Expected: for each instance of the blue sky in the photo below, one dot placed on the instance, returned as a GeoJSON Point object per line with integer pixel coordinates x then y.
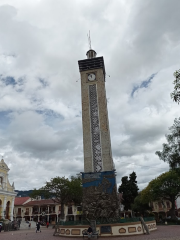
{"type": "Point", "coordinates": [144, 84]}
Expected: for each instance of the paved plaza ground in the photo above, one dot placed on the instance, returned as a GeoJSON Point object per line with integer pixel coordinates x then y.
{"type": "Point", "coordinates": [163, 233]}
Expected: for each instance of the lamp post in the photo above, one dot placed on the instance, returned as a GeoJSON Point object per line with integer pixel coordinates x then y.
{"type": "Point", "coordinates": [4, 213]}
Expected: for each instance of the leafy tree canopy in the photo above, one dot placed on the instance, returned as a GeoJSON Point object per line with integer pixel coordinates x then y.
{"type": "Point", "coordinates": [166, 186]}
{"type": "Point", "coordinates": [171, 150]}
{"type": "Point", "coordinates": [175, 95]}
{"type": "Point", "coordinates": [139, 206]}
{"type": "Point", "coordinates": [129, 189]}
{"type": "Point", "coordinates": [61, 190]}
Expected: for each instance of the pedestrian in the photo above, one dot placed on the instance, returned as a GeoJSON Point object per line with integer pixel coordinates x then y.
{"type": "Point", "coordinates": [29, 225]}
{"type": "Point", "coordinates": [19, 222]}
{"type": "Point", "coordinates": [38, 228]}
{"type": "Point", "coordinates": [0, 227]}
{"type": "Point", "coordinates": [47, 224]}
{"type": "Point", "coordinates": [89, 232]}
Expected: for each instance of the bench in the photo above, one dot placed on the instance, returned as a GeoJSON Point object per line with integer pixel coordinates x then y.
{"type": "Point", "coordinates": [95, 234]}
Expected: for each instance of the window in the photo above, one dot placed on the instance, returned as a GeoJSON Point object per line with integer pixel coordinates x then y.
{"type": "Point", "coordinates": [27, 211]}
{"type": "Point", "coordinates": [79, 208]}
{"type": "Point", "coordinates": [70, 210]}
{"type": "Point", "coordinates": [19, 211]}
{"type": "Point", "coordinates": [159, 204]}
{"type": "Point", "coordinates": [168, 204]}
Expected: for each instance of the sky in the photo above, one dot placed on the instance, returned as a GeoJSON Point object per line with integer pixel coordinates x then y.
{"type": "Point", "coordinates": [41, 42]}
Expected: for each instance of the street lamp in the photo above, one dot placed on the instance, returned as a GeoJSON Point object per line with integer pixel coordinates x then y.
{"type": "Point", "coordinates": [4, 213]}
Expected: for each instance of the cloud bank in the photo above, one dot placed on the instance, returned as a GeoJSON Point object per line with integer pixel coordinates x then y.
{"type": "Point", "coordinates": [40, 97]}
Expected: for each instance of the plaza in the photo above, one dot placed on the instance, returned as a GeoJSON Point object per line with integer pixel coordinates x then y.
{"type": "Point", "coordinates": [162, 233]}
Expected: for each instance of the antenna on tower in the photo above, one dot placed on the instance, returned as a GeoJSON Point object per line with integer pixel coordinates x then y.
{"type": "Point", "coordinates": [89, 40]}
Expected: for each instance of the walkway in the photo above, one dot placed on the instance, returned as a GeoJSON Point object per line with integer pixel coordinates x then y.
{"type": "Point", "coordinates": [163, 233]}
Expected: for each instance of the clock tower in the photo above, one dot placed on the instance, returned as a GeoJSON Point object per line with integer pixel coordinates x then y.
{"type": "Point", "coordinates": [99, 178]}
{"type": "Point", "coordinates": [96, 133]}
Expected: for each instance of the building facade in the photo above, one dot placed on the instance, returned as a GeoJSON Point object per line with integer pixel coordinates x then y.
{"type": "Point", "coordinates": [7, 193]}
{"type": "Point", "coordinates": [44, 210]}
{"type": "Point", "coordinates": [161, 208]}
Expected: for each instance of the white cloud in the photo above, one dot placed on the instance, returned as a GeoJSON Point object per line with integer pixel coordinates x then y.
{"type": "Point", "coordinates": [40, 110]}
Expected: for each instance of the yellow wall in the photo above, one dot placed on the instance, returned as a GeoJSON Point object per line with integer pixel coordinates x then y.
{"type": "Point", "coordinates": [7, 193]}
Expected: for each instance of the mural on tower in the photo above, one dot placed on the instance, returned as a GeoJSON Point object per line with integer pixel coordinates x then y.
{"type": "Point", "coordinates": [96, 144]}
{"type": "Point", "coordinates": [100, 196]}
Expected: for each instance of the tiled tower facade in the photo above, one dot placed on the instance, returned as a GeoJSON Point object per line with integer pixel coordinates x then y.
{"type": "Point", "coordinates": [96, 133]}
{"type": "Point", "coordinates": [99, 180]}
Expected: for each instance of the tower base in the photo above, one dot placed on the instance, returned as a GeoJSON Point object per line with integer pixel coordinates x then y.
{"type": "Point", "coordinates": [100, 196]}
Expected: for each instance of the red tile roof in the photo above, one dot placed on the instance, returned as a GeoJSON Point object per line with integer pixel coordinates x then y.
{"type": "Point", "coordinates": [41, 202]}
{"type": "Point", "coordinates": [21, 200]}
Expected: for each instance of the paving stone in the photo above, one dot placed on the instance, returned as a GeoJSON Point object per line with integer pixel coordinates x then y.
{"type": "Point", "coordinates": [162, 233]}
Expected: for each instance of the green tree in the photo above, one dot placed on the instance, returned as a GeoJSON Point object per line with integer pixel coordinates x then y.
{"type": "Point", "coordinates": [171, 149]}
{"type": "Point", "coordinates": [175, 95]}
{"type": "Point", "coordinates": [61, 190]}
{"type": "Point", "coordinates": [139, 206]}
{"type": "Point", "coordinates": [129, 190]}
{"type": "Point", "coordinates": [164, 187]}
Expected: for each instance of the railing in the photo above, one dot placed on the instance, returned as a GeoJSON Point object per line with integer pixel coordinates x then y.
{"type": "Point", "coordinates": [83, 222]}
{"type": "Point", "coordinates": [10, 226]}
{"type": "Point", "coordinates": [147, 219]}
{"type": "Point", "coordinates": [110, 221]}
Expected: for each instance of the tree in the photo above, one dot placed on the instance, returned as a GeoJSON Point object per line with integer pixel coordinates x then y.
{"type": "Point", "coordinates": [171, 150]}
{"type": "Point", "coordinates": [175, 95]}
{"type": "Point", "coordinates": [129, 189]}
{"type": "Point", "coordinates": [139, 206]}
{"type": "Point", "coordinates": [164, 187]}
{"type": "Point", "coordinates": [61, 190]}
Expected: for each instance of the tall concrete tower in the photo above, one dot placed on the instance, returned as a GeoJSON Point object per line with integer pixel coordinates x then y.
{"type": "Point", "coordinates": [96, 133]}
{"type": "Point", "coordinates": [99, 178]}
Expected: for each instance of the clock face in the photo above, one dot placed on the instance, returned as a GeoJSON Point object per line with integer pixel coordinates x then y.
{"type": "Point", "coordinates": [91, 77]}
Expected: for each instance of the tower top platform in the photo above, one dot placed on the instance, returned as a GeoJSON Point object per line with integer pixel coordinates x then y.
{"type": "Point", "coordinates": [91, 64]}
{"type": "Point", "coordinates": [91, 54]}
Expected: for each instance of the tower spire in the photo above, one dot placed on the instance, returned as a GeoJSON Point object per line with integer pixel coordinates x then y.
{"type": "Point", "coordinates": [89, 40]}
{"type": "Point", "coordinates": [90, 53]}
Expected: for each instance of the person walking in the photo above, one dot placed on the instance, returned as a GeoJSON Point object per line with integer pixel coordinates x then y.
{"type": "Point", "coordinates": [38, 227]}
{"type": "Point", "coordinates": [47, 224]}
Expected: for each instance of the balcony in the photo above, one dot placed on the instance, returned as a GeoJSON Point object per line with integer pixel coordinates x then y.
{"type": "Point", "coordinates": [35, 212]}
{"type": "Point", "coordinates": [52, 212]}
